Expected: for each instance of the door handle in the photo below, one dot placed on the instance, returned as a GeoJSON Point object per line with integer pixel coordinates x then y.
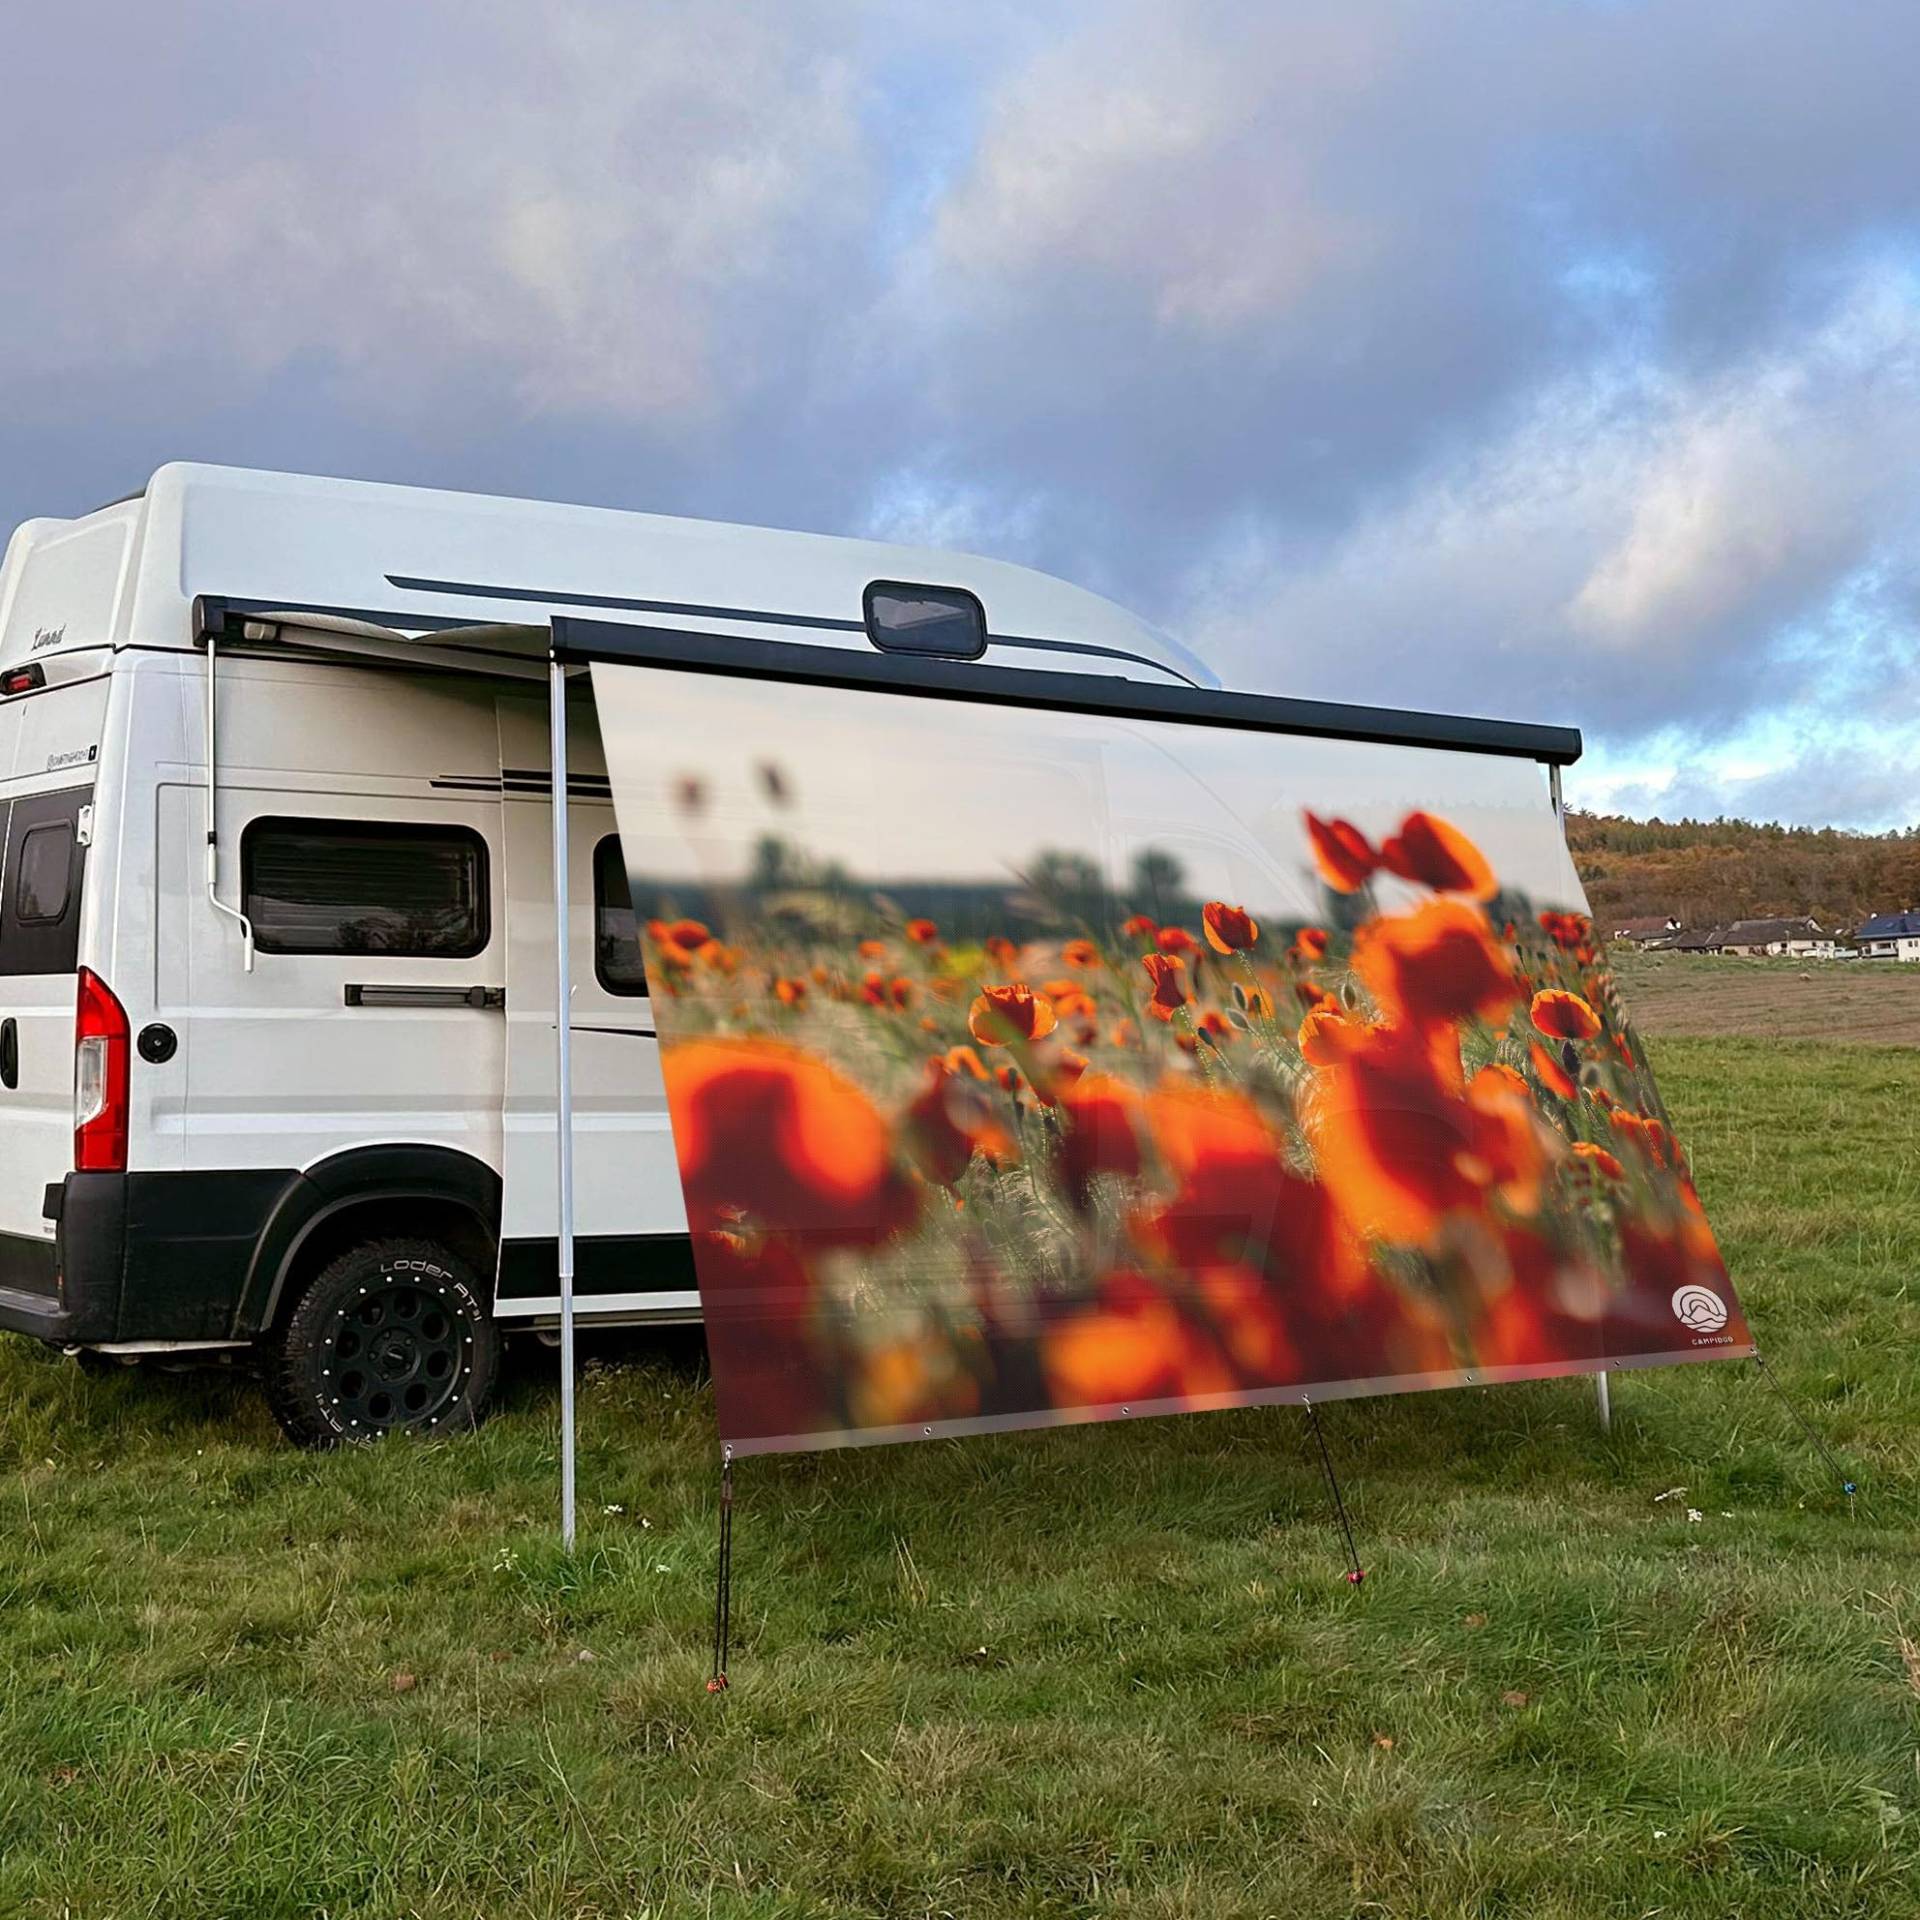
{"type": "Point", "coordinates": [9, 1053]}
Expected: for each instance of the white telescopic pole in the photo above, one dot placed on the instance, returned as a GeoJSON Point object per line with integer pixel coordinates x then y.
{"type": "Point", "coordinates": [563, 1061]}
{"type": "Point", "coordinates": [1602, 1386]}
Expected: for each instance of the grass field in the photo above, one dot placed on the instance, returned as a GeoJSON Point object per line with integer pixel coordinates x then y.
{"type": "Point", "coordinates": [1105, 1670]}
{"type": "Point", "coordinates": [1837, 1002]}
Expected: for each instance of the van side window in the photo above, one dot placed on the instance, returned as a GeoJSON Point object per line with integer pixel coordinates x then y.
{"type": "Point", "coordinates": [617, 964]}
{"type": "Point", "coordinates": [45, 882]}
{"type": "Point", "coordinates": [365, 886]}
{"type": "Point", "coordinates": [44, 865]}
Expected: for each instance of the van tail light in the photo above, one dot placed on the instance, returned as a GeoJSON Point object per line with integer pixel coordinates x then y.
{"type": "Point", "coordinates": [100, 1058]}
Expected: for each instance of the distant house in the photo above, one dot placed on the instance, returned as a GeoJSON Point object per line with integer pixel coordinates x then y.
{"type": "Point", "coordinates": [1693, 940]}
{"type": "Point", "coordinates": [1802, 939]}
{"type": "Point", "coordinates": [1890, 936]}
{"type": "Point", "coordinates": [1645, 932]}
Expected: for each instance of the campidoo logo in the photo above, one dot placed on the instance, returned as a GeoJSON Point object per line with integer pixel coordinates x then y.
{"type": "Point", "coordinates": [1699, 1308]}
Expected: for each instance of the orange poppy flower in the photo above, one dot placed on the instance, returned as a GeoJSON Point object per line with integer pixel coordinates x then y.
{"type": "Point", "coordinates": [1002, 1015]}
{"type": "Point", "coordinates": [769, 1133]}
{"type": "Point", "coordinates": [964, 1060]}
{"type": "Point", "coordinates": [1327, 1035]}
{"type": "Point", "coordinates": [1080, 953]}
{"type": "Point", "coordinates": [719, 956]}
{"type": "Point", "coordinates": [1552, 1071]}
{"type": "Point", "coordinates": [790, 993]}
{"type": "Point", "coordinates": [1400, 1147]}
{"type": "Point", "coordinates": [1009, 1079]}
{"type": "Point", "coordinates": [1341, 852]}
{"type": "Point", "coordinates": [1593, 1155]}
{"type": "Point", "coordinates": [1134, 1345]}
{"type": "Point", "coordinates": [1216, 1026]}
{"type": "Point", "coordinates": [873, 949]}
{"type": "Point", "coordinates": [1176, 940]}
{"type": "Point", "coordinates": [1255, 1000]}
{"type": "Point", "coordinates": [1140, 926]}
{"type": "Point", "coordinates": [1168, 972]}
{"type": "Point", "coordinates": [922, 932]}
{"type": "Point", "coordinates": [1434, 853]}
{"type": "Point", "coordinates": [1228, 929]}
{"type": "Point", "coordinates": [1123, 1033]}
{"type": "Point", "coordinates": [1309, 946]}
{"type": "Point", "coordinates": [1564, 1015]}
{"type": "Point", "coordinates": [1312, 997]}
{"type": "Point", "coordinates": [1068, 1067]}
{"type": "Point", "coordinates": [1434, 965]}
{"type": "Point", "coordinates": [1069, 997]}
{"type": "Point", "coordinates": [1001, 951]}
{"type": "Point", "coordinates": [1496, 1074]}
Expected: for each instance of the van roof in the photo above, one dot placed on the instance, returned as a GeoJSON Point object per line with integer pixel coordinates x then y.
{"type": "Point", "coordinates": [415, 557]}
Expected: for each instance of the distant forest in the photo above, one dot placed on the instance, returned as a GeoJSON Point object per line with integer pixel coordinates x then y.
{"type": "Point", "coordinates": [1707, 872]}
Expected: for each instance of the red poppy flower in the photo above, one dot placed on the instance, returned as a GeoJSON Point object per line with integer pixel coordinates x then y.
{"type": "Point", "coordinates": [1102, 1119]}
{"type": "Point", "coordinates": [1080, 953]}
{"type": "Point", "coordinates": [1433, 853]}
{"type": "Point", "coordinates": [771, 1134]}
{"type": "Point", "coordinates": [1176, 940]}
{"type": "Point", "coordinates": [1140, 926]}
{"type": "Point", "coordinates": [1228, 929]}
{"type": "Point", "coordinates": [1436, 964]}
{"type": "Point", "coordinates": [948, 1122]}
{"type": "Point", "coordinates": [964, 1060]}
{"type": "Point", "coordinates": [1168, 972]}
{"type": "Point", "coordinates": [1069, 998]}
{"type": "Point", "coordinates": [1326, 1035]}
{"type": "Point", "coordinates": [1401, 1144]}
{"type": "Point", "coordinates": [1001, 951]}
{"type": "Point", "coordinates": [1341, 852]}
{"type": "Point", "coordinates": [691, 934]}
{"type": "Point", "coordinates": [873, 949]}
{"type": "Point", "coordinates": [1002, 1015]}
{"type": "Point", "coordinates": [922, 932]}
{"type": "Point", "coordinates": [758, 1297]}
{"type": "Point", "coordinates": [1564, 1015]}
{"type": "Point", "coordinates": [790, 993]}
{"type": "Point", "coordinates": [1309, 946]}
{"type": "Point", "coordinates": [1569, 930]}
{"type": "Point", "coordinates": [1552, 1071]}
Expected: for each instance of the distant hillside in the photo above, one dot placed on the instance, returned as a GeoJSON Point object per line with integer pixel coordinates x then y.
{"type": "Point", "coordinates": [1706, 872]}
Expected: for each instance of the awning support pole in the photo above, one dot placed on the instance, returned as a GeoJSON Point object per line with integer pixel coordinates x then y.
{"type": "Point", "coordinates": [563, 1062]}
{"type": "Point", "coordinates": [1602, 1386]}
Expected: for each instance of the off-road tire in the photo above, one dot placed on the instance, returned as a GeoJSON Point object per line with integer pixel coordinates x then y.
{"type": "Point", "coordinates": [393, 1336]}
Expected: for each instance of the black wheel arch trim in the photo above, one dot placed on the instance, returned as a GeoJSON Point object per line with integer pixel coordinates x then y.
{"type": "Point", "coordinates": [358, 1177]}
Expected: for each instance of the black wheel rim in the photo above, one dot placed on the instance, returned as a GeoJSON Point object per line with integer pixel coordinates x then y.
{"type": "Point", "coordinates": [400, 1355]}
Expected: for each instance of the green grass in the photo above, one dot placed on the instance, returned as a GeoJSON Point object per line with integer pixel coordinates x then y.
{"type": "Point", "coordinates": [1102, 1670]}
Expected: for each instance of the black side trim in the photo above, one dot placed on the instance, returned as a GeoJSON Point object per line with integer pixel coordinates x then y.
{"type": "Point", "coordinates": [29, 1265]}
{"type": "Point", "coordinates": [1059, 692]}
{"type": "Point", "coordinates": [602, 1264]}
{"type": "Point", "coordinates": [407, 583]}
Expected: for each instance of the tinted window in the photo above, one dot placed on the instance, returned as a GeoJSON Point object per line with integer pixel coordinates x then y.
{"type": "Point", "coordinates": [947, 621]}
{"type": "Point", "coordinates": [43, 882]}
{"type": "Point", "coordinates": [43, 867]}
{"type": "Point", "coordinates": [358, 886]}
{"type": "Point", "coordinates": [617, 964]}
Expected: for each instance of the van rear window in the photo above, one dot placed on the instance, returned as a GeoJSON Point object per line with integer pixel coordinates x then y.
{"type": "Point", "coordinates": [365, 886]}
{"type": "Point", "coordinates": [41, 870]}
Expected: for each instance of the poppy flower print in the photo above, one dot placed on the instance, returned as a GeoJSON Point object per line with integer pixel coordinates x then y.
{"type": "Point", "coordinates": [1314, 1098]}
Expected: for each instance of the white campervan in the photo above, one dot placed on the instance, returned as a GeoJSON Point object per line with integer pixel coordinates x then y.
{"type": "Point", "coordinates": [276, 925]}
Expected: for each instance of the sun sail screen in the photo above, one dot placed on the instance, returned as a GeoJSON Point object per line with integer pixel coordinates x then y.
{"type": "Point", "coordinates": [1033, 1064]}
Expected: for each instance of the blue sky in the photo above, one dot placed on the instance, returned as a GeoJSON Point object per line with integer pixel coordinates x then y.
{"type": "Point", "coordinates": [1559, 360]}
